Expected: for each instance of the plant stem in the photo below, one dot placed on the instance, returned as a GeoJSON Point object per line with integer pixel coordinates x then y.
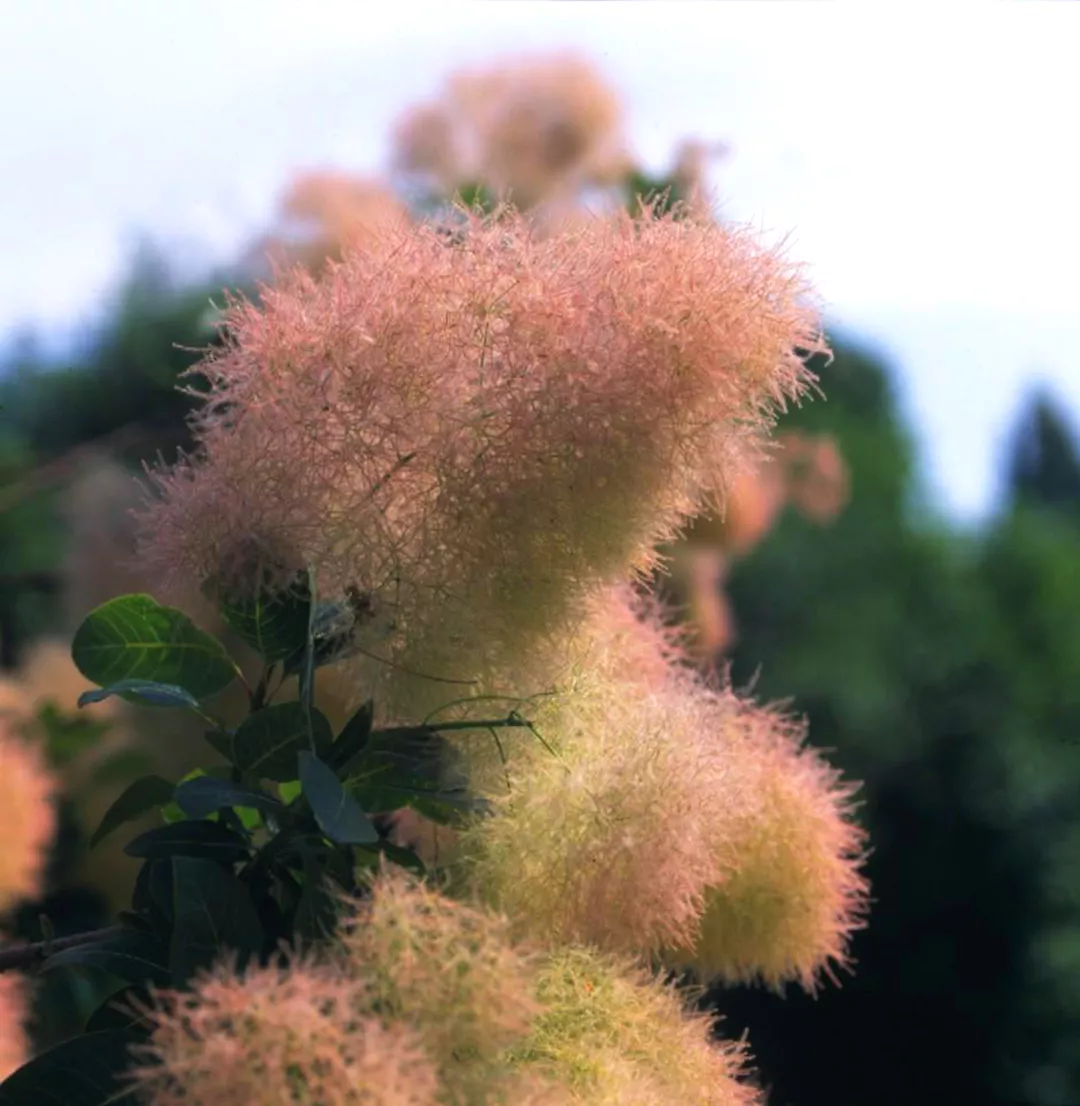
{"type": "Point", "coordinates": [22, 956]}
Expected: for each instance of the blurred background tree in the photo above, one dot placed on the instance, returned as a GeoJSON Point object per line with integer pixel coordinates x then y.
{"type": "Point", "coordinates": [941, 665]}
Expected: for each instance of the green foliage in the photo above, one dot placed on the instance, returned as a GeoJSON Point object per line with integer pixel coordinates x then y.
{"type": "Point", "coordinates": [266, 744]}
{"type": "Point", "coordinates": [147, 692]}
{"type": "Point", "coordinates": [941, 667]}
{"type": "Point", "coordinates": [85, 1071]}
{"type": "Point", "coordinates": [132, 957]}
{"type": "Point", "coordinates": [337, 812]}
{"type": "Point", "coordinates": [213, 912]}
{"type": "Point", "coordinates": [234, 870]}
{"type": "Point", "coordinates": [205, 795]}
{"type": "Point", "coordinates": [134, 801]}
{"type": "Point", "coordinates": [273, 622]}
{"type": "Point", "coordinates": [135, 638]}
{"type": "Point", "coordinates": [1044, 468]}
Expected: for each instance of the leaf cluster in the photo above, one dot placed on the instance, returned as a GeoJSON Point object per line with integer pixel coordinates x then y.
{"type": "Point", "coordinates": [252, 856]}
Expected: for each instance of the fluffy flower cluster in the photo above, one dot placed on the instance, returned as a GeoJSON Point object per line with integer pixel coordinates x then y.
{"type": "Point", "coordinates": [532, 127]}
{"type": "Point", "coordinates": [277, 1036]}
{"type": "Point", "coordinates": [476, 434]}
{"type": "Point", "coordinates": [27, 816]}
{"type": "Point", "coordinates": [429, 1000]}
{"type": "Point", "coordinates": [614, 1034]}
{"type": "Point", "coordinates": [449, 971]}
{"type": "Point", "coordinates": [671, 816]}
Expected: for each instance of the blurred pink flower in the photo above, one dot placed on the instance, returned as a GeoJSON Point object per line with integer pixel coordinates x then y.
{"type": "Point", "coordinates": [27, 816]}
{"type": "Point", "coordinates": [13, 1042]}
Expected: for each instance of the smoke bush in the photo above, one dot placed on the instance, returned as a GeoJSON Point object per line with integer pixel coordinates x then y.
{"type": "Point", "coordinates": [671, 815]}
{"type": "Point", "coordinates": [279, 1036]}
{"type": "Point", "coordinates": [597, 386]}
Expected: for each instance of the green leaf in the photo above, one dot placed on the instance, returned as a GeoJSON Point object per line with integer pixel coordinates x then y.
{"type": "Point", "coordinates": [221, 741]}
{"type": "Point", "coordinates": [266, 743]}
{"type": "Point", "coordinates": [119, 1011]}
{"type": "Point", "coordinates": [136, 800]}
{"type": "Point", "coordinates": [152, 894]}
{"type": "Point", "coordinates": [316, 912]}
{"type": "Point", "coordinates": [136, 638]}
{"type": "Point", "coordinates": [339, 815]}
{"type": "Point", "coordinates": [412, 766]}
{"type": "Point", "coordinates": [214, 915]}
{"type": "Point", "coordinates": [273, 623]}
{"type": "Point", "coordinates": [353, 736]}
{"type": "Point", "coordinates": [88, 1070]}
{"type": "Point", "coordinates": [209, 840]}
{"type": "Point", "coordinates": [132, 957]}
{"type": "Point", "coordinates": [289, 790]}
{"type": "Point", "coordinates": [144, 692]}
{"type": "Point", "coordinates": [307, 673]}
{"type": "Point", "coordinates": [203, 796]}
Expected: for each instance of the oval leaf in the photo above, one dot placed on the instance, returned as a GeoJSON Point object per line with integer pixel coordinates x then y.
{"type": "Point", "coordinates": [209, 840]}
{"type": "Point", "coordinates": [266, 743]}
{"type": "Point", "coordinates": [120, 1011]}
{"type": "Point", "coordinates": [221, 741]}
{"type": "Point", "coordinates": [144, 692]}
{"type": "Point", "coordinates": [136, 800]}
{"type": "Point", "coordinates": [214, 915]}
{"type": "Point", "coordinates": [133, 957]}
{"type": "Point", "coordinates": [274, 624]}
{"type": "Point", "coordinates": [337, 812]}
{"type": "Point", "coordinates": [316, 914]}
{"type": "Point", "coordinates": [152, 895]}
{"type": "Point", "coordinates": [413, 766]}
{"type": "Point", "coordinates": [88, 1070]}
{"type": "Point", "coordinates": [135, 638]}
{"type": "Point", "coordinates": [203, 796]}
{"type": "Point", "coordinates": [353, 736]}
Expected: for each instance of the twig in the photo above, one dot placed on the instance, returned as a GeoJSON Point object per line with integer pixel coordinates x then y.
{"type": "Point", "coordinates": [22, 956]}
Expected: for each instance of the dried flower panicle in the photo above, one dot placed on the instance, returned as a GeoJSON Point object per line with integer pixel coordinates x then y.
{"type": "Point", "coordinates": [278, 1036]}
{"type": "Point", "coordinates": [427, 1000]}
{"type": "Point", "coordinates": [794, 892]}
{"type": "Point", "coordinates": [614, 1035]}
{"type": "Point", "coordinates": [27, 816]}
{"type": "Point", "coordinates": [672, 815]}
{"type": "Point", "coordinates": [448, 971]}
{"type": "Point", "coordinates": [612, 841]}
{"type": "Point", "coordinates": [476, 435]}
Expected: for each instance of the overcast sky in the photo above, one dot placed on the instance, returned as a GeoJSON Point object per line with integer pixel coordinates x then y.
{"type": "Point", "coordinates": [923, 159]}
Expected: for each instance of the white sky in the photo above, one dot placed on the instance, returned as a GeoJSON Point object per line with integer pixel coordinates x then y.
{"type": "Point", "coordinates": [924, 158]}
